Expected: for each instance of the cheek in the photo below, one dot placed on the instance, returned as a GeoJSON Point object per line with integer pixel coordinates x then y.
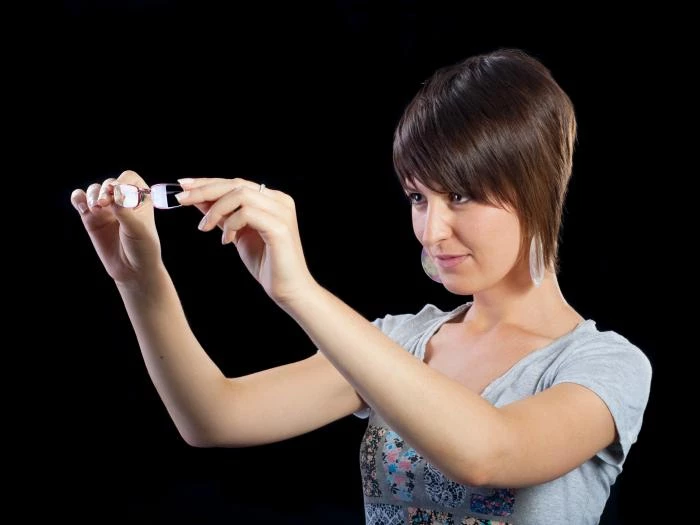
{"type": "Point", "coordinates": [499, 236]}
{"type": "Point", "coordinates": [418, 225]}
{"type": "Point", "coordinates": [508, 247]}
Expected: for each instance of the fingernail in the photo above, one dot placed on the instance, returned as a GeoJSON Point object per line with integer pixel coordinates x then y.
{"type": "Point", "coordinates": [82, 207]}
{"type": "Point", "coordinates": [182, 195]}
{"type": "Point", "coordinates": [186, 180]}
{"type": "Point", "coordinates": [223, 238]}
{"type": "Point", "coordinates": [202, 223]}
{"type": "Point", "coordinates": [91, 202]}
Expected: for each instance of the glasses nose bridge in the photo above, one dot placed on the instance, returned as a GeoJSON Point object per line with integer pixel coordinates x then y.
{"type": "Point", "coordinates": [142, 192]}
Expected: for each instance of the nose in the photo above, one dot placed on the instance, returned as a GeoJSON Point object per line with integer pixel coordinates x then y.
{"type": "Point", "coordinates": [435, 224]}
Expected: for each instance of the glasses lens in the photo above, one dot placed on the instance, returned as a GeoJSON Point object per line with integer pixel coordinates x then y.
{"type": "Point", "coordinates": [126, 195]}
{"type": "Point", "coordinates": [163, 195]}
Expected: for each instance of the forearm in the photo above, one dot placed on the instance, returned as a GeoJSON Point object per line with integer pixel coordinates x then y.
{"type": "Point", "coordinates": [433, 413]}
{"type": "Point", "coordinates": [187, 380]}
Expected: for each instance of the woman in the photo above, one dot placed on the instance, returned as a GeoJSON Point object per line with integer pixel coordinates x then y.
{"type": "Point", "coordinates": [511, 408]}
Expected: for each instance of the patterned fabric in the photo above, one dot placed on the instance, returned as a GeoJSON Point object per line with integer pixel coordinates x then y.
{"type": "Point", "coordinates": [442, 490]}
{"type": "Point", "coordinates": [401, 488]}
{"type": "Point", "coordinates": [368, 464]}
{"type": "Point", "coordinates": [499, 502]}
{"type": "Point", "coordinates": [401, 463]}
{"type": "Point", "coordinates": [383, 514]}
{"type": "Point", "coordinates": [429, 517]}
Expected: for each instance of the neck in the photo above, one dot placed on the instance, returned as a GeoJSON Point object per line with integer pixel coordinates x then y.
{"type": "Point", "coordinates": [538, 310]}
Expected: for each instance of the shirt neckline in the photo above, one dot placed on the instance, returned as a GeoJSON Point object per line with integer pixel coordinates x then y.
{"type": "Point", "coordinates": [518, 364]}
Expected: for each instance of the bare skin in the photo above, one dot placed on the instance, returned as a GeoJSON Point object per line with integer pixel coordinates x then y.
{"type": "Point", "coordinates": [527, 442]}
{"type": "Point", "coordinates": [476, 359]}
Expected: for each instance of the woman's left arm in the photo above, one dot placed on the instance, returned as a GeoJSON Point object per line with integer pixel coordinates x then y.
{"type": "Point", "coordinates": [524, 443]}
{"type": "Point", "coordinates": [468, 439]}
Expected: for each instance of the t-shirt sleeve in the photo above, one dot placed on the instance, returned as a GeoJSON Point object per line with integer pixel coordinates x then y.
{"type": "Point", "coordinates": [620, 374]}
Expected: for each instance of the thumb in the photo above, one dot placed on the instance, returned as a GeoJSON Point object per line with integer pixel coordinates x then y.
{"type": "Point", "coordinates": [136, 221]}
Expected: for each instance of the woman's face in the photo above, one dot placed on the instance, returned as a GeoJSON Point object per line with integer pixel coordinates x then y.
{"type": "Point", "coordinates": [473, 245]}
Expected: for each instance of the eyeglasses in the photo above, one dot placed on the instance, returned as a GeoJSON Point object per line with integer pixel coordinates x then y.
{"type": "Point", "coordinates": [162, 195]}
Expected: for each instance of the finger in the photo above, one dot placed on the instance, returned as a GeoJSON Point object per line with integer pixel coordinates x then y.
{"type": "Point", "coordinates": [105, 196]}
{"type": "Point", "coordinates": [198, 182]}
{"type": "Point", "coordinates": [92, 214]}
{"type": "Point", "coordinates": [131, 177]}
{"type": "Point", "coordinates": [97, 197]}
{"type": "Point", "coordinates": [102, 195]}
{"type": "Point", "coordinates": [93, 192]}
{"type": "Point", "coordinates": [233, 202]}
{"type": "Point", "coordinates": [212, 191]}
{"type": "Point", "coordinates": [263, 222]}
{"type": "Point", "coordinates": [136, 221]}
{"type": "Point", "coordinates": [78, 199]}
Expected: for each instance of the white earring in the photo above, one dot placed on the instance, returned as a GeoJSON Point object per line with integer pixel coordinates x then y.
{"type": "Point", "coordinates": [536, 261]}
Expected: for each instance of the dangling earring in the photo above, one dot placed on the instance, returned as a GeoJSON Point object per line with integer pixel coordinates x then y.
{"type": "Point", "coordinates": [536, 261]}
{"type": "Point", "coordinates": [429, 266]}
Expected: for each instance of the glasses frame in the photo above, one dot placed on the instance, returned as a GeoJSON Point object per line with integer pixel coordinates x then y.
{"type": "Point", "coordinates": [144, 192]}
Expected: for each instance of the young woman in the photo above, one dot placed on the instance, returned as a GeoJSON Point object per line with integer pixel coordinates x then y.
{"type": "Point", "coordinates": [511, 408]}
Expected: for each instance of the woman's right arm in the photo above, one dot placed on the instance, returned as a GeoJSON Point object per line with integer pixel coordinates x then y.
{"type": "Point", "coordinates": [207, 408]}
{"type": "Point", "coordinates": [210, 409]}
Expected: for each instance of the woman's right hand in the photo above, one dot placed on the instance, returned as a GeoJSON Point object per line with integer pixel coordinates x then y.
{"type": "Point", "coordinates": [125, 239]}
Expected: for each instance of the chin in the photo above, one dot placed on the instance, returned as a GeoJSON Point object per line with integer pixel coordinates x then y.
{"type": "Point", "coordinates": [459, 288]}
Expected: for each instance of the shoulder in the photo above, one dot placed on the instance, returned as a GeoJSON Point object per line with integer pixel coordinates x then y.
{"type": "Point", "coordinates": [618, 371]}
{"type": "Point", "coordinates": [587, 342]}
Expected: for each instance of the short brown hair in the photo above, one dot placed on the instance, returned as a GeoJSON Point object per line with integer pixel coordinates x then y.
{"type": "Point", "coordinates": [496, 128]}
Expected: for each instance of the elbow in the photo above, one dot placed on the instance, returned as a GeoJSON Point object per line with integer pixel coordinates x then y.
{"type": "Point", "coordinates": [198, 438]}
{"type": "Point", "coordinates": [475, 476]}
{"type": "Point", "coordinates": [197, 441]}
{"type": "Point", "coordinates": [484, 470]}
{"type": "Point", "coordinates": [484, 464]}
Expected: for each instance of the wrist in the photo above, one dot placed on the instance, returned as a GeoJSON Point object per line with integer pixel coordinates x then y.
{"type": "Point", "coordinates": [144, 281]}
{"type": "Point", "coordinates": [301, 298]}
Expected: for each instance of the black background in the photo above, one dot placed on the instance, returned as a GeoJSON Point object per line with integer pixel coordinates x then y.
{"type": "Point", "coordinates": [304, 98]}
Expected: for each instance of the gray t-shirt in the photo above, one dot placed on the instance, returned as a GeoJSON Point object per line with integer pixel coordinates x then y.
{"type": "Point", "coordinates": [401, 488]}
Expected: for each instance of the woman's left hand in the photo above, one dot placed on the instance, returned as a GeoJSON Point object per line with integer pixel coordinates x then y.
{"type": "Point", "coordinates": [262, 224]}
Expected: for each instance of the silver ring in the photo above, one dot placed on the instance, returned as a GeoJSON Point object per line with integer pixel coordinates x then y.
{"type": "Point", "coordinates": [262, 187]}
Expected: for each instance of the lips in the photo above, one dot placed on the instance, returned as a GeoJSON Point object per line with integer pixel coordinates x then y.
{"type": "Point", "coordinates": [449, 261]}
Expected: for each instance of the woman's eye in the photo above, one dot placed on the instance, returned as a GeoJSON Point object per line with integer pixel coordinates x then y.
{"type": "Point", "coordinates": [414, 198]}
{"type": "Point", "coordinates": [457, 198]}
{"type": "Point", "coordinates": [417, 198]}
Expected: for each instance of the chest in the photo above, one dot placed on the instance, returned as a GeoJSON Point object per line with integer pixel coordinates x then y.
{"type": "Point", "coordinates": [476, 362]}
